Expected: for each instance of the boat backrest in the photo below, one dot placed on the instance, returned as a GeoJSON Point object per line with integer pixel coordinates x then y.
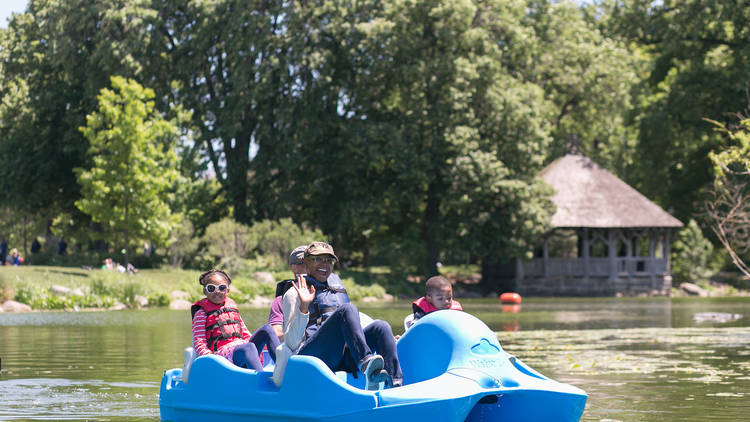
{"type": "Point", "coordinates": [190, 356]}
{"type": "Point", "coordinates": [447, 339]}
{"type": "Point", "coordinates": [408, 321]}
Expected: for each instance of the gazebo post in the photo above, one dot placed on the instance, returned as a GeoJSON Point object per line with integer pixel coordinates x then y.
{"type": "Point", "coordinates": [667, 248]}
{"type": "Point", "coordinates": [612, 253]}
{"type": "Point", "coordinates": [586, 247]}
{"type": "Point", "coordinates": [652, 254]}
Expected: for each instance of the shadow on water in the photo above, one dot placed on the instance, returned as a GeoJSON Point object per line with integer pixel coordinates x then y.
{"type": "Point", "coordinates": [638, 358]}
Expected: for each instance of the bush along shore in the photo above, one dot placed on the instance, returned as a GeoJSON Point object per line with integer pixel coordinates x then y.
{"type": "Point", "coordinates": [28, 288]}
{"type": "Point", "coordinates": [59, 288]}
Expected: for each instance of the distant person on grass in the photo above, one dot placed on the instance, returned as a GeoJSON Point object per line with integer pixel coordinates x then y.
{"type": "Point", "coordinates": [3, 251]}
{"type": "Point", "coordinates": [218, 327]}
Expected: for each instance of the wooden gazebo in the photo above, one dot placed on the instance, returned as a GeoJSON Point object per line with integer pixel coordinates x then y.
{"type": "Point", "coordinates": [608, 239]}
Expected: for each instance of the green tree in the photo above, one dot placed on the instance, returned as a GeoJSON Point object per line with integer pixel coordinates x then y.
{"type": "Point", "coordinates": [426, 138]}
{"type": "Point", "coordinates": [587, 76]}
{"type": "Point", "coordinates": [228, 61]}
{"type": "Point", "coordinates": [134, 165]}
{"type": "Point", "coordinates": [691, 255]}
{"type": "Point", "coordinates": [699, 66]}
{"type": "Point", "coordinates": [54, 59]}
{"type": "Point", "coordinates": [729, 208]}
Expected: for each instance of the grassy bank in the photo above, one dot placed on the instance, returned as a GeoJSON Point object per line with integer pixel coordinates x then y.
{"type": "Point", "coordinates": [99, 288]}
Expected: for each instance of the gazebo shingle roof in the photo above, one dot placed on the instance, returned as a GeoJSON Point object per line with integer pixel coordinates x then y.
{"type": "Point", "coordinates": [590, 196]}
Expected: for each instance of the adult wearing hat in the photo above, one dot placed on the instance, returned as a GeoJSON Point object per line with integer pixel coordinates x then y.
{"type": "Point", "coordinates": [320, 321]}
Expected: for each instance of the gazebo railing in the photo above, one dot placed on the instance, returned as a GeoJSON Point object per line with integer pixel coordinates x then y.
{"type": "Point", "coordinates": [597, 267]}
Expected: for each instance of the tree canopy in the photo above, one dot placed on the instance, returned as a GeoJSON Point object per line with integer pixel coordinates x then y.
{"type": "Point", "coordinates": [133, 165]}
{"type": "Point", "coordinates": [408, 132]}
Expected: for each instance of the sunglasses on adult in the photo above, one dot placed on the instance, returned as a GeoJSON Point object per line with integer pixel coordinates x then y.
{"type": "Point", "coordinates": [212, 288]}
{"type": "Point", "coordinates": [322, 259]}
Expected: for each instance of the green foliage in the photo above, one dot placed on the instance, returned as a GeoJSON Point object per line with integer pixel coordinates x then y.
{"type": "Point", "coordinates": [279, 238]}
{"type": "Point", "coordinates": [183, 244]}
{"type": "Point", "coordinates": [134, 165]}
{"type": "Point", "coordinates": [691, 255]}
{"type": "Point", "coordinates": [244, 289]}
{"type": "Point", "coordinates": [685, 43]}
{"type": "Point", "coordinates": [120, 287]}
{"type": "Point", "coordinates": [55, 58]}
{"type": "Point", "coordinates": [409, 132]}
{"type": "Point", "coordinates": [226, 242]}
{"type": "Point", "coordinates": [241, 249]}
{"type": "Point", "coordinates": [158, 299]}
{"type": "Point", "coordinates": [735, 157]}
{"type": "Point", "coordinates": [41, 298]}
{"type": "Point", "coordinates": [358, 292]}
{"type": "Point", "coordinates": [587, 76]}
{"type": "Point", "coordinates": [5, 289]}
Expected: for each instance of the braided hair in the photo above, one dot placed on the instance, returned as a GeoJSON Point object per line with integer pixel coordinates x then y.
{"type": "Point", "coordinates": [203, 277]}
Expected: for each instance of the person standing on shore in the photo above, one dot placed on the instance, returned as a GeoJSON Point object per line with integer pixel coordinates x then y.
{"type": "Point", "coordinates": [3, 251]}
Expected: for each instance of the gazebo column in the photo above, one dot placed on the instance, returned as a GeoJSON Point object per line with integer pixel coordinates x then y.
{"type": "Point", "coordinates": [612, 253]}
{"type": "Point", "coordinates": [667, 248]}
{"type": "Point", "coordinates": [586, 247]}
{"type": "Point", "coordinates": [652, 254]}
{"type": "Point", "coordinates": [629, 261]}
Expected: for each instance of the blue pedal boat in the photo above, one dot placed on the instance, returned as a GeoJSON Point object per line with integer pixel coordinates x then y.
{"type": "Point", "coordinates": [454, 370]}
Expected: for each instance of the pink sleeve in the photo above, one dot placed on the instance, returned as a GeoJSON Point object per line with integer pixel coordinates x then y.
{"type": "Point", "coordinates": [199, 333]}
{"type": "Point", "coordinates": [276, 316]}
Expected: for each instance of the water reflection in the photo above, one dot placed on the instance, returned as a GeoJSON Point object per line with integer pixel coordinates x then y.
{"type": "Point", "coordinates": [639, 359]}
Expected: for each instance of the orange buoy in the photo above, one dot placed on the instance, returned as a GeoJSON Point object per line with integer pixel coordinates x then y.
{"type": "Point", "coordinates": [512, 298]}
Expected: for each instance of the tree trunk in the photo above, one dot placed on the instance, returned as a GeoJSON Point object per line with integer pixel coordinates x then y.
{"type": "Point", "coordinates": [127, 233]}
{"type": "Point", "coordinates": [429, 230]}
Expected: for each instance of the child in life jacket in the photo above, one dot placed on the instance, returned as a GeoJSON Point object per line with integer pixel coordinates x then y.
{"type": "Point", "coordinates": [438, 296]}
{"type": "Point", "coordinates": [218, 327]}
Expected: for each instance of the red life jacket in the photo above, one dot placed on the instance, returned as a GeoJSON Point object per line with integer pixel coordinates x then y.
{"type": "Point", "coordinates": [223, 322]}
{"type": "Point", "coordinates": [422, 307]}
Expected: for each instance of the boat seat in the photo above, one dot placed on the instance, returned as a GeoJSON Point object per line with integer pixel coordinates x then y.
{"type": "Point", "coordinates": [408, 321]}
{"type": "Point", "coordinates": [190, 356]}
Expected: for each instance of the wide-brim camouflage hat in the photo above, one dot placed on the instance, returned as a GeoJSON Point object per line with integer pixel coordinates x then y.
{"type": "Point", "coordinates": [320, 248]}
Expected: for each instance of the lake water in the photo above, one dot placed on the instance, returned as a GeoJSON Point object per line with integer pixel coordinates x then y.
{"type": "Point", "coordinates": [639, 359]}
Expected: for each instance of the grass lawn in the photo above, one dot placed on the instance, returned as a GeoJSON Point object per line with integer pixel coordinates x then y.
{"type": "Point", "coordinates": [97, 288]}
{"type": "Point", "coordinates": [47, 276]}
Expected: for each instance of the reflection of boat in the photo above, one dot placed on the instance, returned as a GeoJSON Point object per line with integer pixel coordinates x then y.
{"type": "Point", "coordinates": [454, 369]}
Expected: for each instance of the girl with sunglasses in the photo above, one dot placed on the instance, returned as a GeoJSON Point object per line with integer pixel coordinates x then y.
{"type": "Point", "coordinates": [218, 327]}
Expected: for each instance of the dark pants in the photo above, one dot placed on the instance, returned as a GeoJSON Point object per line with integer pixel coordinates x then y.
{"type": "Point", "coordinates": [341, 329]}
{"type": "Point", "coordinates": [246, 355]}
{"type": "Point", "coordinates": [379, 337]}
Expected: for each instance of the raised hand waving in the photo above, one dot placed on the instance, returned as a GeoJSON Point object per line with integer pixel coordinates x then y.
{"type": "Point", "coordinates": [306, 295]}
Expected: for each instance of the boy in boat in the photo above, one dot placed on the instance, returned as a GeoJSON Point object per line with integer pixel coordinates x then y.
{"type": "Point", "coordinates": [218, 327]}
{"type": "Point", "coordinates": [438, 296]}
